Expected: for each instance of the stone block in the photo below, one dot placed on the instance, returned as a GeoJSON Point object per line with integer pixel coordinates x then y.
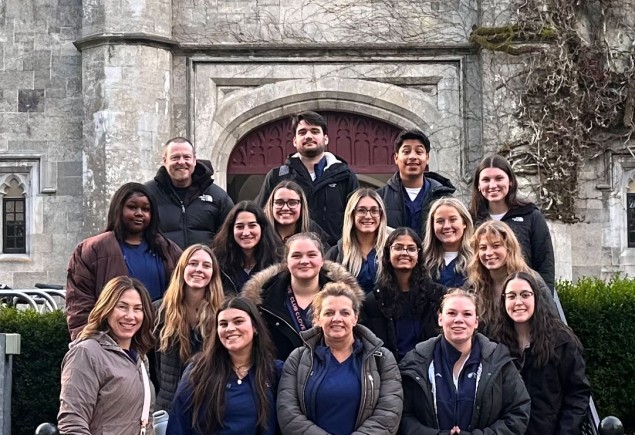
{"type": "Point", "coordinates": [69, 169]}
{"type": "Point", "coordinates": [16, 79]}
{"type": "Point", "coordinates": [55, 93]}
{"type": "Point", "coordinates": [13, 124]}
{"type": "Point", "coordinates": [71, 186]}
{"type": "Point", "coordinates": [68, 106]}
{"type": "Point", "coordinates": [74, 87]}
{"type": "Point", "coordinates": [66, 66]}
{"type": "Point", "coordinates": [42, 243]}
{"type": "Point", "coordinates": [28, 146]}
{"type": "Point", "coordinates": [27, 280]}
{"type": "Point", "coordinates": [31, 100]}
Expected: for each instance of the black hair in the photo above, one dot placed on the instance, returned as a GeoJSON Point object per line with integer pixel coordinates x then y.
{"type": "Point", "coordinates": [412, 134]}
{"type": "Point", "coordinates": [311, 118]}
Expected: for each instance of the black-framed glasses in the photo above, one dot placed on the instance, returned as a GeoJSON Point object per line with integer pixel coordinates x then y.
{"type": "Point", "coordinates": [410, 250]}
{"type": "Point", "coordinates": [291, 203]}
{"type": "Point", "coordinates": [363, 211]}
{"type": "Point", "coordinates": [523, 295]}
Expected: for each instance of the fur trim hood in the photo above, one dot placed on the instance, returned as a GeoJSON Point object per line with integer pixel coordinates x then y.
{"type": "Point", "coordinates": [332, 271]}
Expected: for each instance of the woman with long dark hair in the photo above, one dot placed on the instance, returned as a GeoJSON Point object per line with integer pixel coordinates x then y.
{"type": "Point", "coordinates": [185, 317]}
{"type": "Point", "coordinates": [103, 388]}
{"type": "Point", "coordinates": [495, 197]}
{"type": "Point", "coordinates": [131, 246]}
{"type": "Point", "coordinates": [402, 309]}
{"type": "Point", "coordinates": [230, 387]}
{"type": "Point", "coordinates": [363, 237]}
{"type": "Point", "coordinates": [548, 355]}
{"type": "Point", "coordinates": [245, 244]}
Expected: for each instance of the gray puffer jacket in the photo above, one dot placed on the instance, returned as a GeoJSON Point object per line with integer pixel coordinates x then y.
{"type": "Point", "coordinates": [382, 395]}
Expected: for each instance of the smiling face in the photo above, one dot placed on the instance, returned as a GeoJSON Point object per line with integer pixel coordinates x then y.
{"type": "Point", "coordinates": [235, 331]}
{"type": "Point", "coordinates": [126, 318]}
{"type": "Point", "coordinates": [287, 206]}
{"type": "Point", "coordinates": [411, 159]}
{"type": "Point", "coordinates": [310, 140]}
{"type": "Point", "coordinates": [179, 160]}
{"type": "Point", "coordinates": [492, 252]}
{"type": "Point", "coordinates": [304, 259]}
{"type": "Point", "coordinates": [520, 301]}
{"type": "Point", "coordinates": [136, 214]}
{"type": "Point", "coordinates": [367, 215]}
{"type": "Point", "coordinates": [449, 228]}
{"type": "Point", "coordinates": [246, 231]}
{"type": "Point", "coordinates": [404, 253]}
{"type": "Point", "coordinates": [337, 318]}
{"type": "Point", "coordinates": [199, 270]}
{"type": "Point", "coordinates": [493, 183]}
{"type": "Point", "coordinates": [458, 320]}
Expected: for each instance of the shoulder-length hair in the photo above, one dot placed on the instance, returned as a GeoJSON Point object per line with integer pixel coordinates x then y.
{"type": "Point", "coordinates": [544, 326]}
{"type": "Point", "coordinates": [213, 367]}
{"type": "Point", "coordinates": [352, 257]}
{"type": "Point", "coordinates": [230, 254]}
{"type": "Point", "coordinates": [115, 223]}
{"type": "Point", "coordinates": [143, 340]}
{"type": "Point", "coordinates": [479, 276]}
{"type": "Point", "coordinates": [498, 162]}
{"type": "Point", "coordinates": [176, 329]}
{"type": "Point", "coordinates": [335, 289]}
{"type": "Point", "coordinates": [432, 246]}
{"type": "Point", "coordinates": [303, 224]}
{"type": "Point", "coordinates": [421, 286]}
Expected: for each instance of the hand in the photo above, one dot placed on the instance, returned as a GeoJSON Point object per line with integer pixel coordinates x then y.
{"type": "Point", "coordinates": [455, 430]}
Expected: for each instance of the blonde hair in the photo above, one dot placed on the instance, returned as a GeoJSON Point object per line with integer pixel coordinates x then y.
{"type": "Point", "coordinates": [479, 276]}
{"type": "Point", "coordinates": [432, 246]}
{"type": "Point", "coordinates": [303, 224]}
{"type": "Point", "coordinates": [143, 340]}
{"type": "Point", "coordinates": [352, 257]}
{"type": "Point", "coordinates": [459, 292]}
{"type": "Point", "coordinates": [176, 328]}
{"type": "Point", "coordinates": [335, 289]}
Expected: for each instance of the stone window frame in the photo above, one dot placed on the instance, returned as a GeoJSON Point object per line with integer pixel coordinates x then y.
{"type": "Point", "coordinates": [10, 220]}
{"type": "Point", "coordinates": [34, 175]}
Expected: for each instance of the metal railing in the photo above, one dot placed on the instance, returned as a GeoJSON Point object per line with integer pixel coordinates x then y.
{"type": "Point", "coordinates": [44, 297]}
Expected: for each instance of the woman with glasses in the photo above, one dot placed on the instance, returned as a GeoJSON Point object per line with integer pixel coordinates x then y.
{"type": "Point", "coordinates": [288, 212]}
{"type": "Point", "coordinates": [402, 309]}
{"type": "Point", "coordinates": [548, 355]}
{"type": "Point", "coordinates": [245, 244]}
{"type": "Point", "coordinates": [446, 247]}
{"type": "Point", "coordinates": [363, 237]}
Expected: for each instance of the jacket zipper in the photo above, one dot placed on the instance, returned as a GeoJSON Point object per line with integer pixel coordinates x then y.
{"type": "Point", "coordinates": [366, 375]}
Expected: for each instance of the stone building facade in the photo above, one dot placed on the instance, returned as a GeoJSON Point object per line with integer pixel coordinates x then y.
{"type": "Point", "coordinates": [90, 89]}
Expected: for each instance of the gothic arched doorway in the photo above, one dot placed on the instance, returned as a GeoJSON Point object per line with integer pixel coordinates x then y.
{"type": "Point", "coordinates": [365, 143]}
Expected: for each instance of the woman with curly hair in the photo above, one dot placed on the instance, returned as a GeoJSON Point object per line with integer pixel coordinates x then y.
{"type": "Point", "coordinates": [495, 197]}
{"type": "Point", "coordinates": [363, 237]}
{"type": "Point", "coordinates": [498, 255]}
{"type": "Point", "coordinates": [131, 245]}
{"type": "Point", "coordinates": [230, 387]}
{"type": "Point", "coordinates": [402, 309]}
{"type": "Point", "coordinates": [245, 244]}
{"type": "Point", "coordinates": [446, 247]}
{"type": "Point", "coordinates": [288, 211]}
{"type": "Point", "coordinates": [103, 388]}
{"type": "Point", "coordinates": [185, 317]}
{"type": "Point", "coordinates": [548, 355]}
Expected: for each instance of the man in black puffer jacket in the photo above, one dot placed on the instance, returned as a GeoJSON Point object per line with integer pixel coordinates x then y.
{"type": "Point", "coordinates": [411, 190]}
{"type": "Point", "coordinates": [191, 207]}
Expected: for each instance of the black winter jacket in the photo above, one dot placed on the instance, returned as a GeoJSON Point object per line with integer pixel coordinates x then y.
{"type": "Point", "coordinates": [392, 195]}
{"type": "Point", "coordinates": [199, 216]}
{"type": "Point", "coordinates": [501, 405]}
{"type": "Point", "coordinates": [559, 391]}
{"type": "Point", "coordinates": [268, 290]}
{"type": "Point", "coordinates": [378, 315]}
{"type": "Point", "coordinates": [327, 197]}
{"type": "Point", "coordinates": [530, 227]}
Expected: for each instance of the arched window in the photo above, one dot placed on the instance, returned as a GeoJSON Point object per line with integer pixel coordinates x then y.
{"type": "Point", "coordinates": [13, 218]}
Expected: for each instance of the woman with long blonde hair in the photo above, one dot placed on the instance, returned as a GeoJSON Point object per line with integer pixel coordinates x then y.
{"type": "Point", "coordinates": [185, 316]}
{"type": "Point", "coordinates": [103, 371]}
{"type": "Point", "coordinates": [446, 247]}
{"type": "Point", "coordinates": [498, 255]}
{"type": "Point", "coordinates": [364, 235]}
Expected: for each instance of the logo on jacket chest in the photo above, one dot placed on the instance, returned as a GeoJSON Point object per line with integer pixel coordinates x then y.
{"type": "Point", "coordinates": [206, 198]}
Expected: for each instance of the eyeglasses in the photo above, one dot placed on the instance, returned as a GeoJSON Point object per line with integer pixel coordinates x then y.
{"type": "Point", "coordinates": [524, 295]}
{"type": "Point", "coordinates": [410, 250]}
{"type": "Point", "coordinates": [291, 203]}
{"type": "Point", "coordinates": [363, 211]}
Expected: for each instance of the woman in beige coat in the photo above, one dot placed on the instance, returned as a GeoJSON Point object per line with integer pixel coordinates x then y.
{"type": "Point", "coordinates": [102, 374]}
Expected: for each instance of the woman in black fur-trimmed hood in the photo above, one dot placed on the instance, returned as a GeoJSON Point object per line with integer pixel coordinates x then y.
{"type": "Point", "coordinates": [284, 292]}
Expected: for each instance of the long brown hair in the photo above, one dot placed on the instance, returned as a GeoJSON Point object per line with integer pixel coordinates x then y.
{"type": "Point", "coordinates": [143, 340]}
{"type": "Point", "coordinates": [213, 367]}
{"type": "Point", "coordinates": [303, 224]}
{"type": "Point", "coordinates": [175, 328]}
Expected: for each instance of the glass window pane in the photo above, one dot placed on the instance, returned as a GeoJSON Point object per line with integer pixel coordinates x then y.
{"type": "Point", "coordinates": [19, 206]}
{"type": "Point", "coordinates": [19, 217]}
{"type": "Point", "coordinates": [9, 205]}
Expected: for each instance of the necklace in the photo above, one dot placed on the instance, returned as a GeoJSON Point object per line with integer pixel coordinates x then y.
{"type": "Point", "coordinates": [241, 372]}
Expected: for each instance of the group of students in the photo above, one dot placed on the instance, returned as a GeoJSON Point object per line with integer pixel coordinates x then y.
{"type": "Point", "coordinates": [266, 331]}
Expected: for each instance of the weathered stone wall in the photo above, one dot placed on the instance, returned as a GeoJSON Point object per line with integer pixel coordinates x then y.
{"type": "Point", "coordinates": [40, 121]}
